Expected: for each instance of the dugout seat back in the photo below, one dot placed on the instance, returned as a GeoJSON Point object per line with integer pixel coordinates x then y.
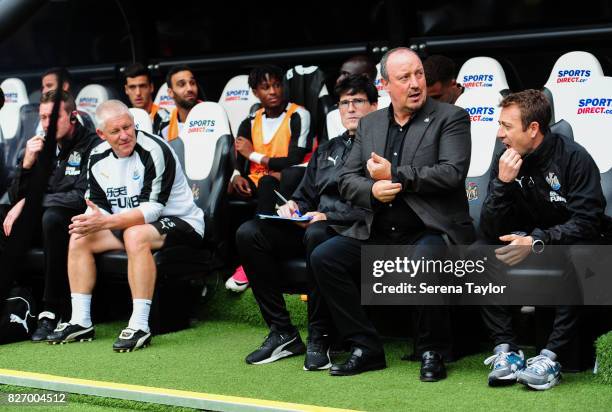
{"type": "Point", "coordinates": [570, 71]}
{"type": "Point", "coordinates": [483, 107]}
{"type": "Point", "coordinates": [142, 120]}
{"type": "Point", "coordinates": [90, 97]}
{"type": "Point", "coordinates": [163, 100]}
{"type": "Point", "coordinates": [27, 124]}
{"type": "Point", "coordinates": [483, 73]}
{"type": "Point", "coordinates": [378, 83]}
{"type": "Point", "coordinates": [204, 148]}
{"type": "Point", "coordinates": [590, 114]}
{"type": "Point", "coordinates": [334, 123]}
{"type": "Point", "coordinates": [237, 99]}
{"type": "Point", "coordinates": [15, 96]}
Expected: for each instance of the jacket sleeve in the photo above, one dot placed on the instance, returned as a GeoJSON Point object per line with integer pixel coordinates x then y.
{"type": "Point", "coordinates": [454, 152]}
{"type": "Point", "coordinates": [306, 193]}
{"type": "Point", "coordinates": [159, 174]}
{"type": "Point", "coordinates": [353, 185]}
{"type": "Point", "coordinates": [584, 202]}
{"type": "Point", "coordinates": [244, 130]}
{"type": "Point", "coordinates": [18, 188]}
{"type": "Point", "coordinates": [298, 145]}
{"type": "Point", "coordinates": [498, 216]}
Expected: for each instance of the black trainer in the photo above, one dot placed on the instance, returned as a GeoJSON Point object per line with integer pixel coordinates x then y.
{"type": "Point", "coordinates": [46, 325]}
{"type": "Point", "coordinates": [277, 346]}
{"type": "Point", "coordinates": [317, 355]}
{"type": "Point", "coordinates": [130, 340]}
{"type": "Point", "coordinates": [67, 332]}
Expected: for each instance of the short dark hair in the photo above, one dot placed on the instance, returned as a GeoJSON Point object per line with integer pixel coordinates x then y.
{"type": "Point", "coordinates": [49, 97]}
{"type": "Point", "coordinates": [1, 98]}
{"type": "Point", "coordinates": [439, 68]}
{"type": "Point", "coordinates": [357, 83]}
{"type": "Point", "coordinates": [135, 70]}
{"type": "Point", "coordinates": [534, 107]}
{"type": "Point", "coordinates": [60, 72]}
{"type": "Point", "coordinates": [370, 66]}
{"type": "Point", "coordinates": [174, 70]}
{"type": "Point", "coordinates": [258, 74]}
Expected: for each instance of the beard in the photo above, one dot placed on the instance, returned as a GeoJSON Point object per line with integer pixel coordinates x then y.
{"type": "Point", "coordinates": [186, 104]}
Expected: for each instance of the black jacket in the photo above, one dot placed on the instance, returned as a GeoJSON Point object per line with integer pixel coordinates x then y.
{"type": "Point", "coordinates": [68, 180]}
{"type": "Point", "coordinates": [318, 190]}
{"type": "Point", "coordinates": [556, 198]}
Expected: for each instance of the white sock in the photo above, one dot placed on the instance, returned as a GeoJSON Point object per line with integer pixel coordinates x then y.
{"type": "Point", "coordinates": [140, 315]}
{"type": "Point", "coordinates": [81, 309]}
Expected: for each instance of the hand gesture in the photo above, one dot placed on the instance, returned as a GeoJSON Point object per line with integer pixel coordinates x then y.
{"type": "Point", "coordinates": [385, 190]}
{"type": "Point", "coordinates": [33, 147]}
{"type": "Point", "coordinates": [12, 216]}
{"type": "Point", "coordinates": [509, 165]}
{"type": "Point", "coordinates": [379, 167]}
{"type": "Point", "coordinates": [518, 249]}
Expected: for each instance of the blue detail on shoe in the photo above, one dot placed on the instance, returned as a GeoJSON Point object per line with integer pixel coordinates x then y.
{"type": "Point", "coordinates": [542, 371]}
{"type": "Point", "coordinates": [505, 365]}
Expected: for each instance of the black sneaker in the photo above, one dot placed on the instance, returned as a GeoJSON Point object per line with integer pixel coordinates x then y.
{"type": "Point", "coordinates": [46, 325]}
{"type": "Point", "coordinates": [130, 340]}
{"type": "Point", "coordinates": [67, 332]}
{"type": "Point", "coordinates": [277, 346]}
{"type": "Point", "coordinates": [317, 356]}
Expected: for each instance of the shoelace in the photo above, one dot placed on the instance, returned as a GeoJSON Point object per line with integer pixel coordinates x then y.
{"type": "Point", "coordinates": [540, 363]}
{"type": "Point", "coordinates": [501, 358]}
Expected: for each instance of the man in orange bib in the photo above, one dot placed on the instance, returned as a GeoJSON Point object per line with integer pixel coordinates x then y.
{"type": "Point", "coordinates": [274, 138]}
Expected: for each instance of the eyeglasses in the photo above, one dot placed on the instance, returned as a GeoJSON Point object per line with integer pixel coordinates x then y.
{"type": "Point", "coordinates": [357, 103]}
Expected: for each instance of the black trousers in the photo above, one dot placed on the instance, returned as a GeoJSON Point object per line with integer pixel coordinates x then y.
{"type": "Point", "coordinates": [262, 244]}
{"type": "Point", "coordinates": [53, 235]}
{"type": "Point", "coordinates": [498, 319]}
{"type": "Point", "coordinates": [336, 269]}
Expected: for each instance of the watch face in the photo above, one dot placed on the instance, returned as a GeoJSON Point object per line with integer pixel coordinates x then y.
{"type": "Point", "coordinates": [537, 246]}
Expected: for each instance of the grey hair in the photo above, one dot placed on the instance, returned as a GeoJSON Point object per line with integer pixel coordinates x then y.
{"type": "Point", "coordinates": [110, 109]}
{"type": "Point", "coordinates": [383, 62]}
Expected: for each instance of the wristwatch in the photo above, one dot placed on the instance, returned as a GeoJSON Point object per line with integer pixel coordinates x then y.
{"type": "Point", "coordinates": [537, 246]}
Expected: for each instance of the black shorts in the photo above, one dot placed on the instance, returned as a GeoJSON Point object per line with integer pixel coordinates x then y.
{"type": "Point", "coordinates": [177, 231]}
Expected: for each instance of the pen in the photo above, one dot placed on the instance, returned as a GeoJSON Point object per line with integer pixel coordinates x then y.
{"type": "Point", "coordinates": [297, 212]}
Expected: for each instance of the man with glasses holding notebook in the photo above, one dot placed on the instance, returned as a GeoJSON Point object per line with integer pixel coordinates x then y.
{"type": "Point", "coordinates": [315, 205]}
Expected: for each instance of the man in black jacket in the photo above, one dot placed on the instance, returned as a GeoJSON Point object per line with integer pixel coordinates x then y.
{"type": "Point", "coordinates": [544, 190]}
{"type": "Point", "coordinates": [262, 243]}
{"type": "Point", "coordinates": [62, 200]}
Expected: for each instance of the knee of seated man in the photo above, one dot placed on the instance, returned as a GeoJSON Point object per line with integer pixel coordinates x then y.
{"type": "Point", "coordinates": [53, 219]}
{"type": "Point", "coordinates": [136, 238]}
{"type": "Point", "coordinates": [315, 234]}
{"type": "Point", "coordinates": [247, 233]}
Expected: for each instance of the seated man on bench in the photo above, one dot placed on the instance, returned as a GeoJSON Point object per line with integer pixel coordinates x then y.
{"type": "Point", "coordinates": [138, 200]}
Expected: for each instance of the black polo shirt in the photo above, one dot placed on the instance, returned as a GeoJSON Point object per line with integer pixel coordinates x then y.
{"type": "Point", "coordinates": [395, 222]}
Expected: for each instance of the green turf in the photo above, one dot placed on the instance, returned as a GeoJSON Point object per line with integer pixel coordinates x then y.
{"type": "Point", "coordinates": [210, 358]}
{"type": "Point", "coordinates": [85, 403]}
{"type": "Point", "coordinates": [604, 358]}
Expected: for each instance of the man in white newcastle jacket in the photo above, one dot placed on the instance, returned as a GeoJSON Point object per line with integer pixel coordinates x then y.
{"type": "Point", "coordinates": [138, 200]}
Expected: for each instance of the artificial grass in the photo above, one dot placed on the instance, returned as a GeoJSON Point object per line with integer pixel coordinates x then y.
{"type": "Point", "coordinates": [242, 307]}
{"type": "Point", "coordinates": [76, 402]}
{"type": "Point", "coordinates": [210, 358]}
{"type": "Point", "coordinates": [604, 358]}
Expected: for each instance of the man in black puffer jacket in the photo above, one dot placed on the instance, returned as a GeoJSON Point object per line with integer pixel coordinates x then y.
{"type": "Point", "coordinates": [544, 190]}
{"type": "Point", "coordinates": [63, 199]}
